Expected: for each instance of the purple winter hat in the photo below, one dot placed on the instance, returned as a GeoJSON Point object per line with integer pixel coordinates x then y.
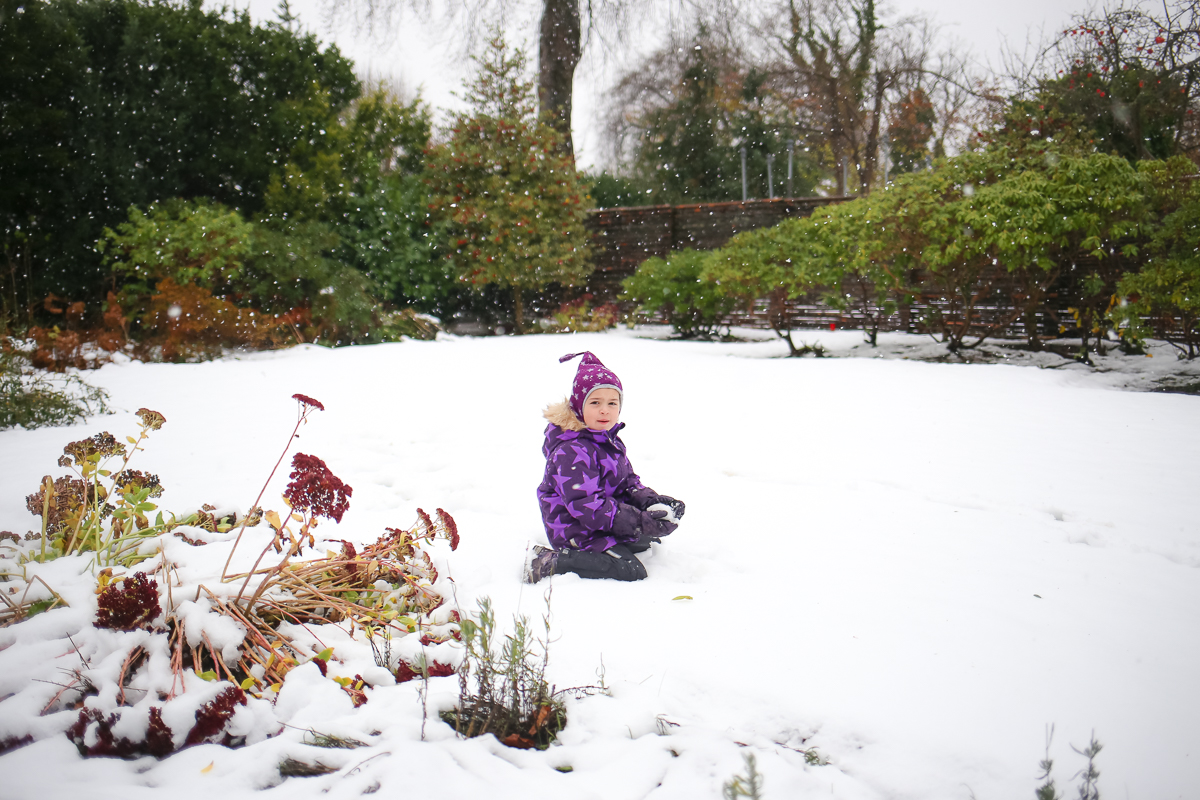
{"type": "Point", "coordinates": [590, 376]}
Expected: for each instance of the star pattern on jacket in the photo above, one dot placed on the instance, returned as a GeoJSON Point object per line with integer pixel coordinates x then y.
{"type": "Point", "coordinates": [588, 476]}
{"type": "Point", "coordinates": [590, 485]}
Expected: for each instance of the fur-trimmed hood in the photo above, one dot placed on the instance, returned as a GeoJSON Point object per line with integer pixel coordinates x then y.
{"type": "Point", "coordinates": [560, 414]}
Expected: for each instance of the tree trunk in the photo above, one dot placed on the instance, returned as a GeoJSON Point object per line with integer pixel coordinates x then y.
{"type": "Point", "coordinates": [1033, 337]}
{"type": "Point", "coordinates": [518, 311]}
{"type": "Point", "coordinates": [871, 156]}
{"type": "Point", "coordinates": [558, 55]}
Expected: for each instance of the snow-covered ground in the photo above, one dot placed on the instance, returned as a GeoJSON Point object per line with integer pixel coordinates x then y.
{"type": "Point", "coordinates": [913, 567]}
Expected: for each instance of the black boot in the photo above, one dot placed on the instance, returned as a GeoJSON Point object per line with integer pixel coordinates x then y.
{"type": "Point", "coordinates": [617, 563]}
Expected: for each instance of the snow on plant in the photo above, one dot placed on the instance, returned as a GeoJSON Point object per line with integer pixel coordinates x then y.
{"type": "Point", "coordinates": [502, 684]}
{"type": "Point", "coordinates": [142, 690]}
{"type": "Point", "coordinates": [748, 785]}
{"type": "Point", "coordinates": [94, 732]}
{"type": "Point", "coordinates": [127, 603]}
{"type": "Point", "coordinates": [389, 586]}
{"type": "Point", "coordinates": [34, 398]}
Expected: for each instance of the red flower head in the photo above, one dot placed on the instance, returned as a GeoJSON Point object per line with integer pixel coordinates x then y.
{"type": "Point", "coordinates": [129, 604]}
{"type": "Point", "coordinates": [305, 400]}
{"type": "Point", "coordinates": [315, 489]}
{"type": "Point", "coordinates": [450, 526]}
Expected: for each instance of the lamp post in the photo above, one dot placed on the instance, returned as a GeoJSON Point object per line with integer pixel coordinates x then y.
{"type": "Point", "coordinates": [791, 157]}
{"type": "Point", "coordinates": [743, 173]}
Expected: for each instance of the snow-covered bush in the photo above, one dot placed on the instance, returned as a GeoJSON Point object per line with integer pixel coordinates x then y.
{"type": "Point", "coordinates": [502, 684]}
{"type": "Point", "coordinates": [184, 652]}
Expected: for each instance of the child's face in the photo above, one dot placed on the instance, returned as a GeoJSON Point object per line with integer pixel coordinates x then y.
{"type": "Point", "coordinates": [602, 409]}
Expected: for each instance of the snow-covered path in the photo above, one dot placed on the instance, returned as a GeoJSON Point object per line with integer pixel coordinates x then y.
{"type": "Point", "coordinates": [914, 568]}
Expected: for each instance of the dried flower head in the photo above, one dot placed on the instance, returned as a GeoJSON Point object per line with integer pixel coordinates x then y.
{"type": "Point", "coordinates": [305, 400]}
{"type": "Point", "coordinates": [68, 495]}
{"type": "Point", "coordinates": [405, 673]}
{"type": "Point", "coordinates": [158, 742]}
{"type": "Point", "coordinates": [450, 527]}
{"type": "Point", "coordinates": [316, 490]}
{"type": "Point", "coordinates": [213, 716]}
{"type": "Point", "coordinates": [102, 444]}
{"type": "Point", "coordinates": [151, 420]}
{"type": "Point", "coordinates": [353, 569]}
{"type": "Point", "coordinates": [425, 523]}
{"type": "Point", "coordinates": [394, 543]}
{"type": "Point", "coordinates": [439, 670]}
{"type": "Point", "coordinates": [138, 480]}
{"type": "Point", "coordinates": [128, 604]}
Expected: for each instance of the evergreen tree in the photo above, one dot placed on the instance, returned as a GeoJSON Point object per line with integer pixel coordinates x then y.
{"type": "Point", "coordinates": [688, 146]}
{"type": "Point", "coordinates": [508, 190]}
{"type": "Point", "coordinates": [910, 129]}
{"type": "Point", "coordinates": [368, 190]}
{"type": "Point", "coordinates": [114, 103]}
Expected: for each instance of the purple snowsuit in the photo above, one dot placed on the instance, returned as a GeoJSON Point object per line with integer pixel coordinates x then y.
{"type": "Point", "coordinates": [587, 476]}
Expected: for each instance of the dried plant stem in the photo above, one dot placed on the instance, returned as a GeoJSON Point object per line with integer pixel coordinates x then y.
{"type": "Point", "coordinates": [303, 416]}
{"type": "Point", "coordinates": [287, 556]}
{"type": "Point", "coordinates": [17, 610]}
{"type": "Point", "coordinates": [176, 664]}
{"type": "Point", "coordinates": [134, 655]}
{"type": "Point", "coordinates": [217, 659]}
{"type": "Point", "coordinates": [59, 694]}
{"type": "Point", "coordinates": [49, 489]}
{"type": "Point", "coordinates": [71, 542]}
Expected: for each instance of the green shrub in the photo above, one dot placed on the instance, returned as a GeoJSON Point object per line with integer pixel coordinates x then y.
{"type": "Point", "coordinates": [782, 263]}
{"type": "Point", "coordinates": [502, 684]}
{"type": "Point", "coordinates": [33, 398]}
{"type": "Point", "coordinates": [614, 191]}
{"type": "Point", "coordinates": [114, 103]}
{"type": "Point", "coordinates": [676, 288]}
{"type": "Point", "coordinates": [1163, 298]}
{"type": "Point", "coordinates": [269, 275]}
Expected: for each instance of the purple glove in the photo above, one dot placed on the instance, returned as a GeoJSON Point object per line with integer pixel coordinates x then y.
{"type": "Point", "coordinates": [644, 498]}
{"type": "Point", "coordinates": [677, 506]}
{"type": "Point", "coordinates": [632, 523]}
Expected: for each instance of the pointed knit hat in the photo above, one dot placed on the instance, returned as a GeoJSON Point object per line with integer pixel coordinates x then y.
{"type": "Point", "coordinates": [590, 376]}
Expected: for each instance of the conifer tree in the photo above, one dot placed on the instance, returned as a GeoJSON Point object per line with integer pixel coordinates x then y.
{"type": "Point", "coordinates": [508, 189]}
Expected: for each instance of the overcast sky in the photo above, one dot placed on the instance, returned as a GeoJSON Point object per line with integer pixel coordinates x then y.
{"type": "Point", "coordinates": [426, 57]}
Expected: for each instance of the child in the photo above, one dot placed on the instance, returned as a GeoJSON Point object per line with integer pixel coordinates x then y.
{"type": "Point", "coordinates": [593, 505]}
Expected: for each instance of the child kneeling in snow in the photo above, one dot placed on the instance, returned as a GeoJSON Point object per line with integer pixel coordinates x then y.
{"type": "Point", "coordinates": [596, 511]}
